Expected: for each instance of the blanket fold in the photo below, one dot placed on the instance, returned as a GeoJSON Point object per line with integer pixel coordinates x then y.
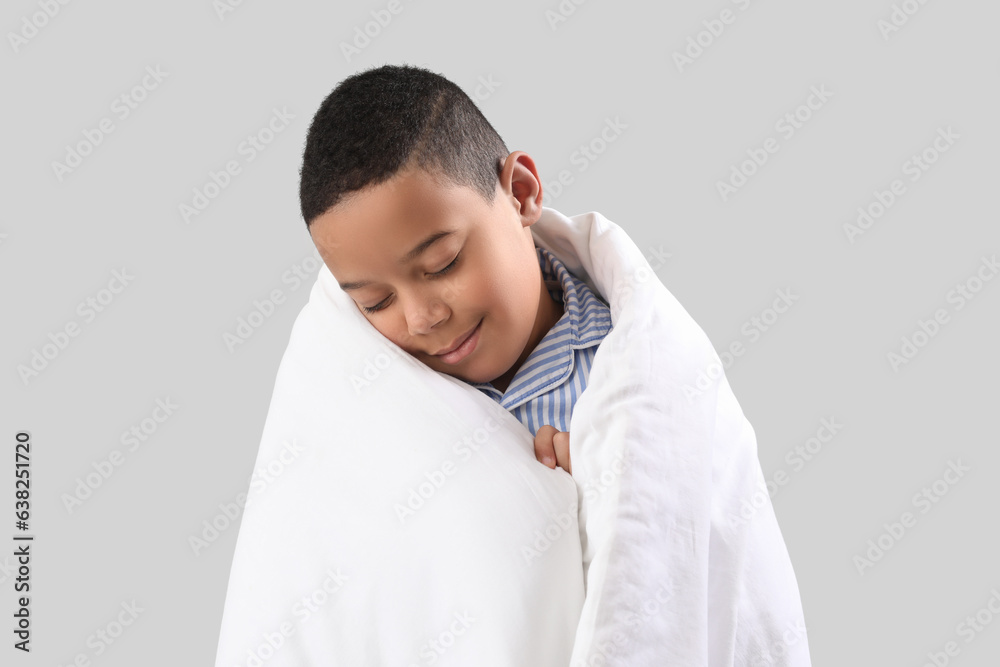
{"type": "Point", "coordinates": [410, 523]}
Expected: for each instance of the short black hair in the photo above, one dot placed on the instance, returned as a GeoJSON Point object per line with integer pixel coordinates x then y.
{"type": "Point", "coordinates": [379, 121]}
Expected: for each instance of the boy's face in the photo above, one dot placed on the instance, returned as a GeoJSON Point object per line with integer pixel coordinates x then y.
{"type": "Point", "coordinates": [494, 289]}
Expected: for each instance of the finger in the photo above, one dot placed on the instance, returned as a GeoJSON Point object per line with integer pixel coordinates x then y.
{"type": "Point", "coordinates": [560, 443]}
{"type": "Point", "coordinates": [544, 451]}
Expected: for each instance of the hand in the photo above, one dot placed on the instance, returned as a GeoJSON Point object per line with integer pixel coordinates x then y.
{"type": "Point", "coordinates": [552, 447]}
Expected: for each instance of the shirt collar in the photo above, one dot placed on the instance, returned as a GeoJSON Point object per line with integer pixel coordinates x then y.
{"type": "Point", "coordinates": [580, 318]}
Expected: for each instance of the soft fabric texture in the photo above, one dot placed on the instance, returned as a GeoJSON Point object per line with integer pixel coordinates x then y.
{"type": "Point", "coordinates": [411, 524]}
{"type": "Point", "coordinates": [544, 390]}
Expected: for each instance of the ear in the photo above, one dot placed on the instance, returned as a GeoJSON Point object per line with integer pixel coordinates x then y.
{"type": "Point", "coordinates": [522, 186]}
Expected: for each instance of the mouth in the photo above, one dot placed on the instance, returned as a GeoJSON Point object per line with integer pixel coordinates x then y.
{"type": "Point", "coordinates": [462, 348]}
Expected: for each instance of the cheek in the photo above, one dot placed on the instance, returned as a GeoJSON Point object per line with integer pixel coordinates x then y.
{"type": "Point", "coordinates": [466, 290]}
{"type": "Point", "coordinates": [400, 335]}
{"type": "Point", "coordinates": [485, 292]}
{"type": "Point", "coordinates": [395, 331]}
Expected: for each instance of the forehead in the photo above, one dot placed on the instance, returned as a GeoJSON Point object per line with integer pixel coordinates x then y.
{"type": "Point", "coordinates": [373, 229]}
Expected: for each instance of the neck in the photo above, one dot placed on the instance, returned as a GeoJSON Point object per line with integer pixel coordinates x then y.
{"type": "Point", "coordinates": [549, 312]}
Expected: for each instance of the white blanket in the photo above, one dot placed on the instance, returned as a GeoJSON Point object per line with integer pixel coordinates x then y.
{"type": "Point", "coordinates": [405, 520]}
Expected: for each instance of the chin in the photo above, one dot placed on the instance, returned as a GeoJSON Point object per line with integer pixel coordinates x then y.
{"type": "Point", "coordinates": [480, 377]}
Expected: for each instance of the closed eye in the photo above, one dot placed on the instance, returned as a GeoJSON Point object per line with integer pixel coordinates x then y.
{"type": "Point", "coordinates": [381, 304]}
{"type": "Point", "coordinates": [449, 267]}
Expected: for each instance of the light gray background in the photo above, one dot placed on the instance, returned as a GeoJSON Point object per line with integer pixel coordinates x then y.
{"type": "Point", "coordinates": [826, 357]}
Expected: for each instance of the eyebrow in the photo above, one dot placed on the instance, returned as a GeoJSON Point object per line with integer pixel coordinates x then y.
{"type": "Point", "coordinates": [408, 257]}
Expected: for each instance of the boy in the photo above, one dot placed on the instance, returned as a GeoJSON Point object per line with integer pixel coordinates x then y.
{"type": "Point", "coordinates": [422, 215]}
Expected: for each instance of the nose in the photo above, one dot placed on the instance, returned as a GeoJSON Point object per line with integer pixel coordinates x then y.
{"type": "Point", "coordinates": [423, 313]}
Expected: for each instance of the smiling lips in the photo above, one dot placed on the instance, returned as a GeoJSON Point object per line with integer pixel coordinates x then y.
{"type": "Point", "coordinates": [464, 346]}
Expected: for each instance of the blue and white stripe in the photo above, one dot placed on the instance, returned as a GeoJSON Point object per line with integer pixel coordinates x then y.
{"type": "Point", "coordinates": [545, 388]}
